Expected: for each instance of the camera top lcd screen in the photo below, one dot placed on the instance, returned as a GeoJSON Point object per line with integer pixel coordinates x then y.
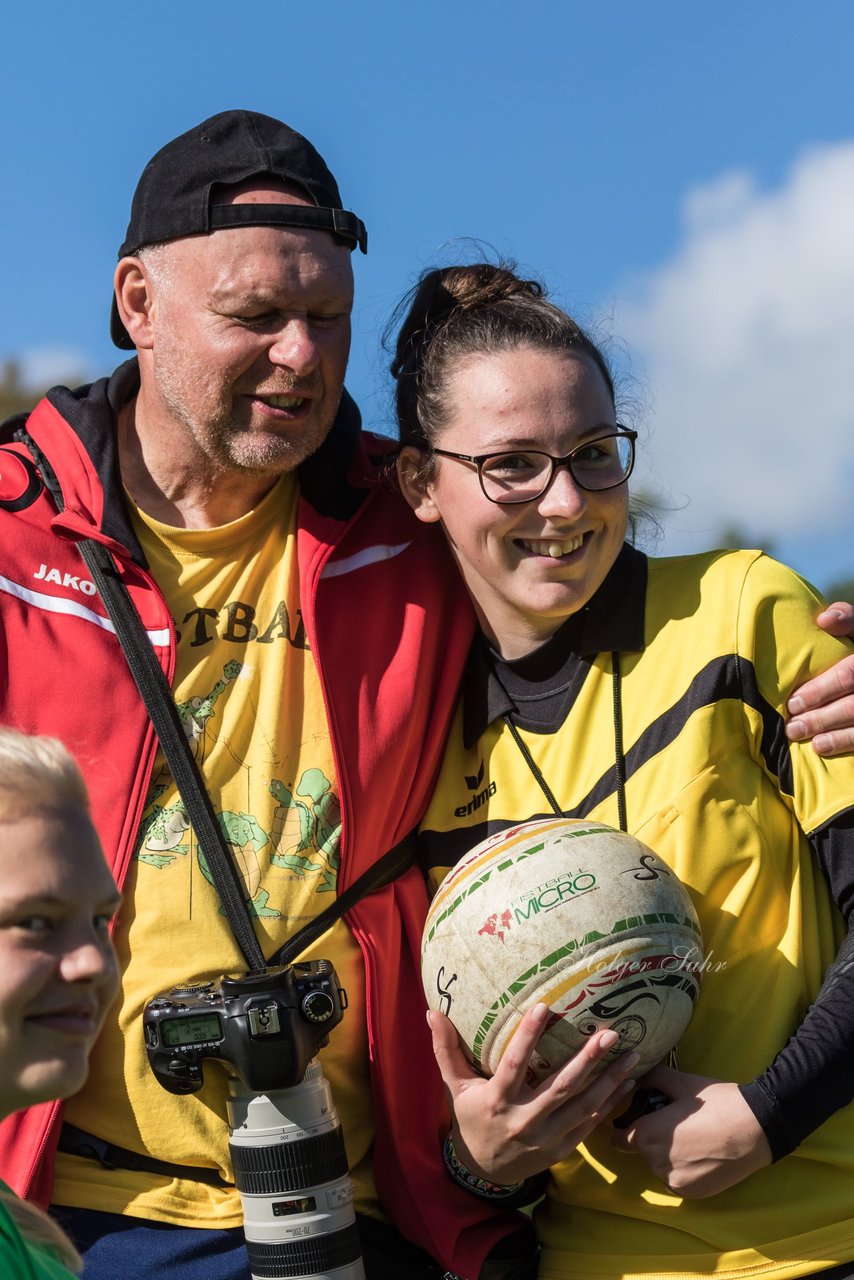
{"type": "Point", "coordinates": [180, 1031]}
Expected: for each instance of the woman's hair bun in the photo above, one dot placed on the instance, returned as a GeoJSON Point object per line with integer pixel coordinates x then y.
{"type": "Point", "coordinates": [483, 284]}
{"type": "Point", "coordinates": [471, 309]}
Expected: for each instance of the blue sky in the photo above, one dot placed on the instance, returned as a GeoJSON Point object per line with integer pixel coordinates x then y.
{"type": "Point", "coordinates": [682, 176]}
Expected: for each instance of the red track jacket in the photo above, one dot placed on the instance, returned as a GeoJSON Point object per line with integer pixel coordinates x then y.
{"type": "Point", "coordinates": [389, 626]}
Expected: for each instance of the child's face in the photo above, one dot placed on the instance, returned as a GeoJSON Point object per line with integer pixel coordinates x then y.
{"type": "Point", "coordinates": [58, 971]}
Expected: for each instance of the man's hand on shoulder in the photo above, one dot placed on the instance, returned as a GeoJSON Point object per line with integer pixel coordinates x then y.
{"type": "Point", "coordinates": [823, 708]}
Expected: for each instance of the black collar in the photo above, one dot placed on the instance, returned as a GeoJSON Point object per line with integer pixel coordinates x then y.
{"type": "Point", "coordinates": [92, 411]}
{"type": "Point", "coordinates": [612, 620]}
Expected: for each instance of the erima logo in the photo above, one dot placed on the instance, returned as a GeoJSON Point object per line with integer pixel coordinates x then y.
{"type": "Point", "coordinates": [65, 580]}
{"type": "Point", "coordinates": [473, 781]}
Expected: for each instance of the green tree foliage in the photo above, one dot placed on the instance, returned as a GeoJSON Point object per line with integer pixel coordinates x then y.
{"type": "Point", "coordinates": [735, 536]}
{"type": "Point", "coordinates": [841, 589]}
{"type": "Point", "coordinates": [15, 396]}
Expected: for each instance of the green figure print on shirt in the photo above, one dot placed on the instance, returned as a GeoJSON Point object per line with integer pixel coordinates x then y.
{"type": "Point", "coordinates": [305, 832]}
{"type": "Point", "coordinates": [245, 839]}
{"type": "Point", "coordinates": [303, 838]}
{"type": "Point", "coordinates": [304, 823]}
{"type": "Point", "coordinates": [163, 831]}
{"type": "Point", "coordinates": [197, 711]}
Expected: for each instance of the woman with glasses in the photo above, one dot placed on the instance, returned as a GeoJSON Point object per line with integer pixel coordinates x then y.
{"type": "Point", "coordinates": [649, 694]}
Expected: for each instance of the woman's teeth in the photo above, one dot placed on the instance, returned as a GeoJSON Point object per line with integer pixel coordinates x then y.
{"type": "Point", "coordinates": [553, 548]}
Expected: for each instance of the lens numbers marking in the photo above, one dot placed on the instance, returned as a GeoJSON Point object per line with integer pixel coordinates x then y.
{"type": "Point", "coordinates": [340, 1195]}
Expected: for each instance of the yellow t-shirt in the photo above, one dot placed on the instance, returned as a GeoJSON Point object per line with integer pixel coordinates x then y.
{"type": "Point", "coordinates": [249, 697]}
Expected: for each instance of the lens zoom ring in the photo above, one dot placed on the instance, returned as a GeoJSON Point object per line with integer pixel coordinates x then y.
{"type": "Point", "coordinates": [289, 1166]}
{"type": "Point", "coordinates": [304, 1257]}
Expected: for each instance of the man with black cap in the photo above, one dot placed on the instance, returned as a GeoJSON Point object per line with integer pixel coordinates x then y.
{"type": "Point", "coordinates": [217, 493]}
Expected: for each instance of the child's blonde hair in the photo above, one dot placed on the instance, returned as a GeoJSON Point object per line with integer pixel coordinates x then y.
{"type": "Point", "coordinates": [38, 1229]}
{"type": "Point", "coordinates": [37, 775]}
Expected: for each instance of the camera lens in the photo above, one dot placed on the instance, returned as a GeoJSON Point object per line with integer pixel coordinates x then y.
{"type": "Point", "coordinates": [290, 1168]}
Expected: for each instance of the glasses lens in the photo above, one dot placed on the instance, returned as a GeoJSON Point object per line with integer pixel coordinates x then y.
{"type": "Point", "coordinates": [515, 477]}
{"type": "Point", "coordinates": [602, 463]}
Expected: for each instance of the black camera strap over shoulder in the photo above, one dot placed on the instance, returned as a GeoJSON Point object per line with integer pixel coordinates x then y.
{"type": "Point", "coordinates": [156, 694]}
{"type": "Point", "coordinates": [387, 868]}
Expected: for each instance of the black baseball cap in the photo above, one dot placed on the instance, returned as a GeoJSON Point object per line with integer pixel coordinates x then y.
{"type": "Point", "coordinates": [173, 195]}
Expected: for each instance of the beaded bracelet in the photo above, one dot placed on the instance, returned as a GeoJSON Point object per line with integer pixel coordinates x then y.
{"type": "Point", "coordinates": [471, 1181]}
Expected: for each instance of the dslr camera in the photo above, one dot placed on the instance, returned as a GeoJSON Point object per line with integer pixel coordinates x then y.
{"type": "Point", "coordinates": [290, 1167]}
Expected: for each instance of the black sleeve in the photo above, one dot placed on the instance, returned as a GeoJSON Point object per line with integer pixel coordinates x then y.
{"type": "Point", "coordinates": [813, 1076]}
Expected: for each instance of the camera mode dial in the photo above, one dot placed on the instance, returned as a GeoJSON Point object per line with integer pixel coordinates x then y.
{"type": "Point", "coordinates": [317, 1006]}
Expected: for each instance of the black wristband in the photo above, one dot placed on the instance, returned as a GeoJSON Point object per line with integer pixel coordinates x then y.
{"type": "Point", "coordinates": [472, 1181]}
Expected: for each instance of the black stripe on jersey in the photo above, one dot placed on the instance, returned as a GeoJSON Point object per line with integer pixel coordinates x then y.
{"type": "Point", "coordinates": [446, 848]}
{"type": "Point", "coordinates": [729, 677]}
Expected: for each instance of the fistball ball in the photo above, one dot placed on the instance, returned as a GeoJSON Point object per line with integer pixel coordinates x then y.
{"type": "Point", "coordinates": [573, 914]}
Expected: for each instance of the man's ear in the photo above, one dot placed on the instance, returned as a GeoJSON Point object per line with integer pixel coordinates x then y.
{"type": "Point", "coordinates": [415, 485]}
{"type": "Point", "coordinates": [134, 299]}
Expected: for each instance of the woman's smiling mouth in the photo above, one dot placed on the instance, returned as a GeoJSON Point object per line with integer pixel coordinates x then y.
{"type": "Point", "coordinates": [553, 547]}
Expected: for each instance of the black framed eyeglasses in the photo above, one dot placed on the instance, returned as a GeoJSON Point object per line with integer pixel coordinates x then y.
{"type": "Point", "coordinates": [520, 475]}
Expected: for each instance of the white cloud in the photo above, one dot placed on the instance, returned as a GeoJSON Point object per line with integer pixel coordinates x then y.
{"type": "Point", "coordinates": [746, 336]}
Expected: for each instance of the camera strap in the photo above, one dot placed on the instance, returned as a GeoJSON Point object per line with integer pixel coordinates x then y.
{"type": "Point", "coordinates": [157, 696]}
{"type": "Point", "coordinates": [384, 870]}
